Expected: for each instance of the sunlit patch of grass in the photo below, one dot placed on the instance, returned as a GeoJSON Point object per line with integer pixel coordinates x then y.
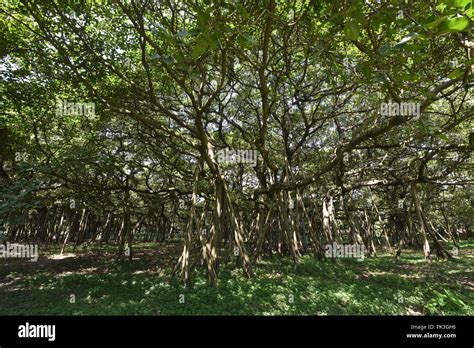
{"type": "Point", "coordinates": [60, 256]}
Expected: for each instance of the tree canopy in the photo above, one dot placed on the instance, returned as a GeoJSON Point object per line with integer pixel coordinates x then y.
{"type": "Point", "coordinates": [241, 128]}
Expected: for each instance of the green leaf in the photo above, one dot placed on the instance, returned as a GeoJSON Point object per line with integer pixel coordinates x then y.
{"type": "Point", "coordinates": [434, 24]}
{"type": "Point", "coordinates": [441, 7]}
{"type": "Point", "coordinates": [200, 47]}
{"type": "Point", "coordinates": [470, 12]}
{"type": "Point", "coordinates": [203, 18]}
{"type": "Point", "coordinates": [456, 73]}
{"type": "Point", "coordinates": [469, 62]}
{"type": "Point", "coordinates": [454, 25]}
{"type": "Point", "coordinates": [213, 44]}
{"type": "Point", "coordinates": [462, 4]}
{"type": "Point", "coordinates": [351, 30]}
{"type": "Point", "coordinates": [442, 136]}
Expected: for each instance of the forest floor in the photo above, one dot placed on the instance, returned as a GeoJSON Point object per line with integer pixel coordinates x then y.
{"type": "Point", "coordinates": [101, 286]}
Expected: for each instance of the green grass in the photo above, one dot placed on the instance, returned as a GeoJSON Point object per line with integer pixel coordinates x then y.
{"type": "Point", "coordinates": [101, 286]}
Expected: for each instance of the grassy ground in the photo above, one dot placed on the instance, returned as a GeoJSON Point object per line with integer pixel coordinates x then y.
{"type": "Point", "coordinates": [101, 286]}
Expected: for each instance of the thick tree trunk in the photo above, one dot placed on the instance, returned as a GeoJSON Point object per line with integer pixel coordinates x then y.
{"type": "Point", "coordinates": [190, 227]}
{"type": "Point", "coordinates": [419, 213]}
